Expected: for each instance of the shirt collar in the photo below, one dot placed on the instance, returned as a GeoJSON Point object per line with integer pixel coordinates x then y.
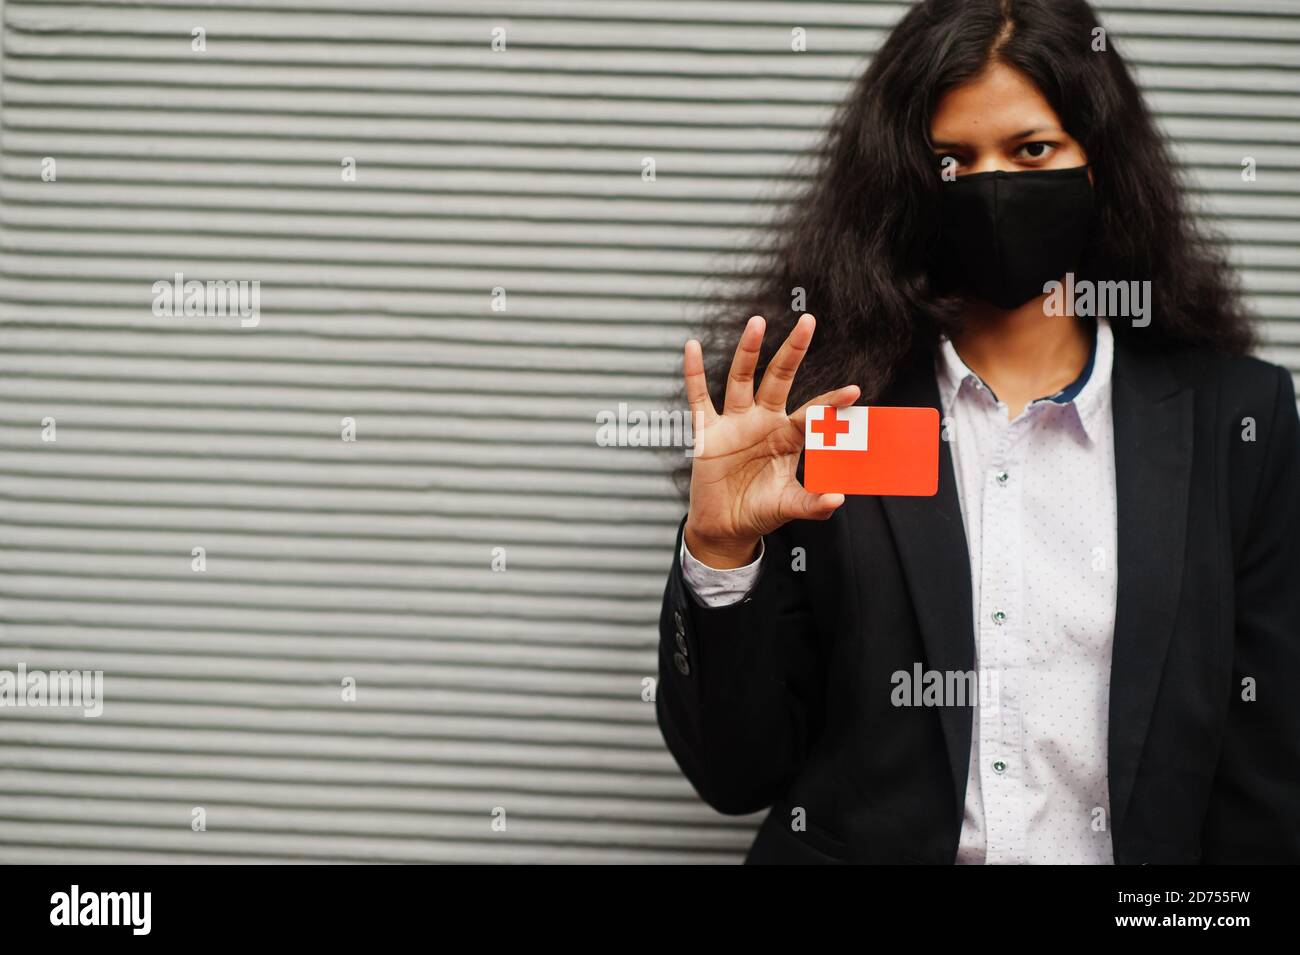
{"type": "Point", "coordinates": [1085, 395]}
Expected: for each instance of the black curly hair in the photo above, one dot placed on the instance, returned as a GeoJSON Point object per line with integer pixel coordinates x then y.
{"type": "Point", "coordinates": [861, 238]}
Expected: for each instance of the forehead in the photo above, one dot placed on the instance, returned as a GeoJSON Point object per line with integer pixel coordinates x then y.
{"type": "Point", "coordinates": [998, 102]}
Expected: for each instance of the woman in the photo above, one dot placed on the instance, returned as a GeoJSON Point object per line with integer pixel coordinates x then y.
{"type": "Point", "coordinates": [1114, 548]}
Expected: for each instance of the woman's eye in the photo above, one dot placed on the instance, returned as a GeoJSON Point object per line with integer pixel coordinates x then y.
{"type": "Point", "coordinates": [1036, 150]}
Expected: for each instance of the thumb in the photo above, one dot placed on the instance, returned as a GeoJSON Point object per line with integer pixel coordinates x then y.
{"type": "Point", "coordinates": [807, 506]}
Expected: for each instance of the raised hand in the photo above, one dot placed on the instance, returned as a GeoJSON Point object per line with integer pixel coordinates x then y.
{"type": "Point", "coordinates": [743, 482]}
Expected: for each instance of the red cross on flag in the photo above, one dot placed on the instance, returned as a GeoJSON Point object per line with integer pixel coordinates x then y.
{"type": "Point", "coordinates": [879, 450]}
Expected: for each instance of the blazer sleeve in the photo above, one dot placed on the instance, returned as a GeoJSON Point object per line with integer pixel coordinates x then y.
{"type": "Point", "coordinates": [1254, 813]}
{"type": "Point", "coordinates": [740, 686]}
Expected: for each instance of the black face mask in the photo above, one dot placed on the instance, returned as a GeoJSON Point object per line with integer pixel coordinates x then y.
{"type": "Point", "coordinates": [1003, 235]}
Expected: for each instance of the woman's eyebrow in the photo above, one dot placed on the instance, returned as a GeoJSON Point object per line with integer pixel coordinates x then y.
{"type": "Point", "coordinates": [1034, 131]}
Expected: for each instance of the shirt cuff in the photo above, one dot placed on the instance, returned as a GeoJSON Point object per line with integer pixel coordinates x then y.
{"type": "Point", "coordinates": [718, 588]}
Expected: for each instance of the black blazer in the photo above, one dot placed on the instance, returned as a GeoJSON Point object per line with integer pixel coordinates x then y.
{"type": "Point", "coordinates": [783, 699]}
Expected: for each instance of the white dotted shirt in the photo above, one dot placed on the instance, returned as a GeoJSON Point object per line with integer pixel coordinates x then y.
{"type": "Point", "coordinates": [1037, 497]}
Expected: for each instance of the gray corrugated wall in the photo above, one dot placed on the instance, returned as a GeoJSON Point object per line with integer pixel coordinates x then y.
{"type": "Point", "coordinates": [372, 559]}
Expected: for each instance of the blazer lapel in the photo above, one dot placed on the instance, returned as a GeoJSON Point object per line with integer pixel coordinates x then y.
{"type": "Point", "coordinates": [931, 542]}
{"type": "Point", "coordinates": [1153, 454]}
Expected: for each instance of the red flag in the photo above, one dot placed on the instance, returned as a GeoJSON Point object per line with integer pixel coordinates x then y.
{"type": "Point", "coordinates": [879, 450]}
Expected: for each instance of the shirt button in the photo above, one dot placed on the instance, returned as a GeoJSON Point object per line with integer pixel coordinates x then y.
{"type": "Point", "coordinates": [681, 644]}
{"type": "Point", "coordinates": [999, 767]}
{"type": "Point", "coordinates": [999, 617]}
{"type": "Point", "coordinates": [677, 619]}
{"type": "Point", "coordinates": [1002, 477]}
{"type": "Point", "coordinates": [683, 667]}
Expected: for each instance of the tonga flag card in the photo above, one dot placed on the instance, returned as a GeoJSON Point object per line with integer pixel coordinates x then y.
{"type": "Point", "coordinates": [871, 450]}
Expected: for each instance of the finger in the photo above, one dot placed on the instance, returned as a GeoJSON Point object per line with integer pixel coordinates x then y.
{"type": "Point", "coordinates": [697, 386]}
{"type": "Point", "coordinates": [740, 380]}
{"type": "Point", "coordinates": [775, 387]}
{"type": "Point", "coordinates": [840, 398]}
{"type": "Point", "coordinates": [815, 507]}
